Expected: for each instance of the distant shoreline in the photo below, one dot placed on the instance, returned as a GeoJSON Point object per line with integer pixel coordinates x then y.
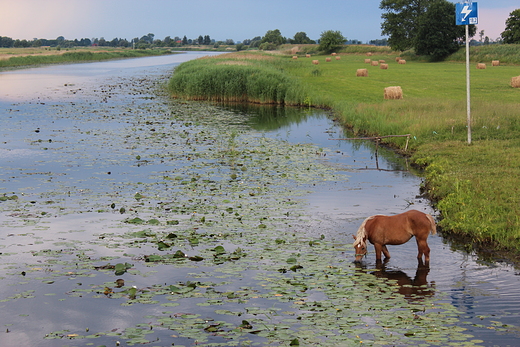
{"type": "Point", "coordinates": [14, 58]}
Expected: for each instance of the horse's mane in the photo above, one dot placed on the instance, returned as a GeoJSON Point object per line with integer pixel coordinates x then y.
{"type": "Point", "coordinates": [362, 233]}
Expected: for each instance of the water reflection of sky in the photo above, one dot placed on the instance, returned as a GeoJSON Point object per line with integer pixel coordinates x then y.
{"type": "Point", "coordinates": [52, 82]}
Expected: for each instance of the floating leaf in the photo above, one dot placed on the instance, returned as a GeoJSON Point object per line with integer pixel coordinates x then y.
{"type": "Point", "coordinates": [161, 245]}
{"type": "Point", "coordinates": [121, 268]}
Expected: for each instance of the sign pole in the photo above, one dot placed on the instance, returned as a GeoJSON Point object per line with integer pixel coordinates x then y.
{"type": "Point", "coordinates": [468, 84]}
{"type": "Point", "coordinates": [467, 13]}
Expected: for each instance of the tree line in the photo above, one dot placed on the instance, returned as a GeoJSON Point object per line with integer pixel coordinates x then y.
{"type": "Point", "coordinates": [270, 40]}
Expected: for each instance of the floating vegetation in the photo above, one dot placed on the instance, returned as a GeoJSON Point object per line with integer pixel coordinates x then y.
{"type": "Point", "coordinates": [199, 243]}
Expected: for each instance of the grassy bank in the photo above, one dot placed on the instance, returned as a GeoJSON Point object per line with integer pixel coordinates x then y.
{"type": "Point", "coordinates": [476, 185]}
{"type": "Point", "coordinates": [19, 57]}
{"type": "Point", "coordinates": [237, 77]}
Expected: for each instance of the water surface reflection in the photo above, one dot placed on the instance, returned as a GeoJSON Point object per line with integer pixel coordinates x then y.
{"type": "Point", "coordinates": [58, 142]}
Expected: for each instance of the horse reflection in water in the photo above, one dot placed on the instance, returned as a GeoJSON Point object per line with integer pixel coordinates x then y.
{"type": "Point", "coordinates": [413, 289]}
{"type": "Point", "coordinates": [395, 230]}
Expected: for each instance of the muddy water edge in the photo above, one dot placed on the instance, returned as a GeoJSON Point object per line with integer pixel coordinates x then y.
{"type": "Point", "coordinates": [130, 218]}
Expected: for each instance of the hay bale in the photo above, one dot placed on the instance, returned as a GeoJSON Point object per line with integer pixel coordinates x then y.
{"type": "Point", "coordinates": [393, 93]}
{"type": "Point", "coordinates": [383, 66]}
{"type": "Point", "coordinates": [402, 61]}
{"type": "Point", "coordinates": [328, 59]}
{"type": "Point", "coordinates": [369, 54]}
{"type": "Point", "coordinates": [495, 63]}
{"type": "Point", "coordinates": [374, 63]}
{"type": "Point", "coordinates": [315, 62]}
{"type": "Point", "coordinates": [307, 55]}
{"type": "Point", "coordinates": [382, 61]}
{"type": "Point", "coordinates": [515, 82]}
{"type": "Point", "coordinates": [397, 59]}
{"type": "Point", "coordinates": [295, 57]}
{"type": "Point", "coordinates": [338, 57]}
{"type": "Point", "coordinates": [481, 66]}
{"type": "Point", "coordinates": [368, 61]}
{"type": "Point", "coordinates": [334, 54]}
{"type": "Point", "coordinates": [362, 73]}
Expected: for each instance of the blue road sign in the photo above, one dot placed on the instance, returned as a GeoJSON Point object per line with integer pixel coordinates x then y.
{"type": "Point", "coordinates": [467, 13]}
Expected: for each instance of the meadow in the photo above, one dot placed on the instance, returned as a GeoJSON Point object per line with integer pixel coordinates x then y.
{"type": "Point", "coordinates": [475, 187]}
{"type": "Point", "coordinates": [20, 57]}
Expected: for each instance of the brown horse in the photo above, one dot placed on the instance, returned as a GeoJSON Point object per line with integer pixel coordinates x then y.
{"type": "Point", "coordinates": [395, 230]}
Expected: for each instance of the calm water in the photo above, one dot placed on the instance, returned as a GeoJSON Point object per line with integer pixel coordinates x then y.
{"type": "Point", "coordinates": [47, 107]}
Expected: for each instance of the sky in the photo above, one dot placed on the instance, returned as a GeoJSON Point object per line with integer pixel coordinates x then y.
{"type": "Point", "coordinates": [220, 19]}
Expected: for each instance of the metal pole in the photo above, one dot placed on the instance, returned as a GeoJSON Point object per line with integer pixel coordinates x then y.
{"type": "Point", "coordinates": [468, 85]}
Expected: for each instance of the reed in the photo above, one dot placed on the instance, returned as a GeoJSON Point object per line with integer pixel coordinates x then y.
{"type": "Point", "coordinates": [232, 78]}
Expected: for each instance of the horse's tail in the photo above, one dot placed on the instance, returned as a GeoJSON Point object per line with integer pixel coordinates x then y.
{"type": "Point", "coordinates": [433, 226]}
{"type": "Point", "coordinates": [362, 232]}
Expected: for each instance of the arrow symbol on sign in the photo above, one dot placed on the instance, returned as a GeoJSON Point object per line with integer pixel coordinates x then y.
{"type": "Point", "coordinates": [466, 11]}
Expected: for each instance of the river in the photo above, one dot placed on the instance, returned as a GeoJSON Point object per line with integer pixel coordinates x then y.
{"type": "Point", "coordinates": [97, 171]}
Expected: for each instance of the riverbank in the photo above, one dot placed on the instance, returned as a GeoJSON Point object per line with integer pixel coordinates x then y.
{"type": "Point", "coordinates": [22, 57]}
{"type": "Point", "coordinates": [475, 186]}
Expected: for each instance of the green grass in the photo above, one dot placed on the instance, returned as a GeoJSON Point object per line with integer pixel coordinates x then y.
{"type": "Point", "coordinates": [233, 79]}
{"type": "Point", "coordinates": [75, 56]}
{"type": "Point", "coordinates": [476, 186]}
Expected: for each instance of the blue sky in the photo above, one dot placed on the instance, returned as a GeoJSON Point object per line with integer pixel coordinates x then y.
{"type": "Point", "coordinates": [221, 19]}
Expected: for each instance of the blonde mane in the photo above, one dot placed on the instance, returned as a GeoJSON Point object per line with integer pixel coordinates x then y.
{"type": "Point", "coordinates": [362, 233]}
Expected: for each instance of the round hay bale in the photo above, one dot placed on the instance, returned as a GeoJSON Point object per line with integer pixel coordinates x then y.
{"type": "Point", "coordinates": [333, 54]}
{"type": "Point", "coordinates": [338, 57]}
{"type": "Point", "coordinates": [495, 63]}
{"type": "Point", "coordinates": [374, 63]}
{"type": "Point", "coordinates": [397, 59]}
{"type": "Point", "coordinates": [369, 54]}
{"type": "Point", "coordinates": [315, 62]}
{"type": "Point", "coordinates": [382, 61]}
{"type": "Point", "coordinates": [402, 62]}
{"type": "Point", "coordinates": [368, 61]}
{"type": "Point", "coordinates": [295, 57]}
{"type": "Point", "coordinates": [362, 73]}
{"type": "Point", "coordinates": [393, 93]}
{"type": "Point", "coordinates": [481, 66]}
{"type": "Point", "coordinates": [307, 55]}
{"type": "Point", "coordinates": [383, 66]}
{"type": "Point", "coordinates": [515, 82]}
{"type": "Point", "coordinates": [328, 59]}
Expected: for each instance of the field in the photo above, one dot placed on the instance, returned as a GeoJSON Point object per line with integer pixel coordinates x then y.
{"type": "Point", "coordinates": [475, 186]}
{"type": "Point", "coordinates": [20, 57]}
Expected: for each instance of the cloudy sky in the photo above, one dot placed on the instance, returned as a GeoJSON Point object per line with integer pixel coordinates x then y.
{"type": "Point", "coordinates": [221, 19]}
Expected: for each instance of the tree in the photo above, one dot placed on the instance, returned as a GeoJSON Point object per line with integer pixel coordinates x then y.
{"type": "Point", "coordinates": [274, 37]}
{"type": "Point", "coordinates": [401, 20]}
{"type": "Point", "coordinates": [184, 40]}
{"type": "Point", "coordinates": [330, 41]}
{"type": "Point", "coordinates": [301, 38]}
{"type": "Point", "coordinates": [200, 40]}
{"type": "Point", "coordinates": [512, 32]}
{"type": "Point", "coordinates": [207, 40]}
{"type": "Point", "coordinates": [6, 42]}
{"type": "Point", "coordinates": [438, 35]}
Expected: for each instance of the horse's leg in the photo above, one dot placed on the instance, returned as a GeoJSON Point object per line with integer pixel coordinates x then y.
{"type": "Point", "coordinates": [385, 252]}
{"type": "Point", "coordinates": [379, 249]}
{"type": "Point", "coordinates": [422, 246]}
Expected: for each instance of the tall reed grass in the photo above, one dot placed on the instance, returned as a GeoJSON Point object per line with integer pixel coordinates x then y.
{"type": "Point", "coordinates": [232, 79]}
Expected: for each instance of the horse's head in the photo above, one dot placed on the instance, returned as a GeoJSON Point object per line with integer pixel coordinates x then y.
{"type": "Point", "coordinates": [360, 246]}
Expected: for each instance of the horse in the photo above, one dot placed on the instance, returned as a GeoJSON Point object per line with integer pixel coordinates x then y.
{"type": "Point", "coordinates": [383, 230]}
